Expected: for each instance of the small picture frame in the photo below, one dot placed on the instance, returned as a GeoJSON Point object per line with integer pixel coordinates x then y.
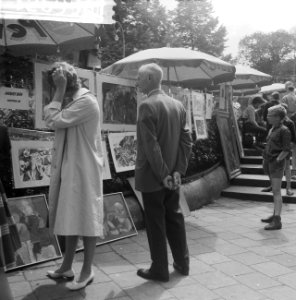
{"type": "Point", "coordinates": [123, 146]}
{"type": "Point", "coordinates": [118, 223]}
{"type": "Point", "coordinates": [200, 125]}
{"type": "Point", "coordinates": [198, 104]}
{"type": "Point", "coordinates": [31, 163]}
{"type": "Point", "coordinates": [118, 102]}
{"type": "Point", "coordinates": [38, 244]}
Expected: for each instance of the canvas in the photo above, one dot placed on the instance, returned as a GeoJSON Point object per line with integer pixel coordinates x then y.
{"type": "Point", "coordinates": [106, 168]}
{"type": "Point", "coordinates": [200, 128]}
{"type": "Point", "coordinates": [123, 147]}
{"type": "Point", "coordinates": [37, 243]}
{"type": "Point", "coordinates": [198, 104]}
{"type": "Point", "coordinates": [118, 223]}
{"type": "Point", "coordinates": [118, 101]}
{"type": "Point", "coordinates": [31, 163]}
{"type": "Point", "coordinates": [44, 93]}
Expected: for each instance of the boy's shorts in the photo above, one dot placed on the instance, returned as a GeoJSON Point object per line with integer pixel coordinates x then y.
{"type": "Point", "coordinates": [273, 168]}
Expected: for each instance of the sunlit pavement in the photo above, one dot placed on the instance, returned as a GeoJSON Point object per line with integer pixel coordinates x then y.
{"type": "Point", "coordinates": [232, 257]}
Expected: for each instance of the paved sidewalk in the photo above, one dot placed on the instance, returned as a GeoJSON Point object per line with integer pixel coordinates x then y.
{"type": "Point", "coordinates": [232, 257]}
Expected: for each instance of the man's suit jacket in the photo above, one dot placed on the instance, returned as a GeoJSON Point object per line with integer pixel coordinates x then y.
{"type": "Point", "coordinates": [163, 141]}
{"type": "Point", "coordinates": [4, 147]}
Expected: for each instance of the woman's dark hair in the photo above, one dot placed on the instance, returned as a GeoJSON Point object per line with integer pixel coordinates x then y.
{"type": "Point", "coordinates": [73, 82]}
{"type": "Point", "coordinates": [257, 100]}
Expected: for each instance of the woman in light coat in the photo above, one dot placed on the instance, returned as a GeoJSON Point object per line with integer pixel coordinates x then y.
{"type": "Point", "coordinates": [76, 191]}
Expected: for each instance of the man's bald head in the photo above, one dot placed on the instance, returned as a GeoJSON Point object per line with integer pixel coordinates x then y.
{"type": "Point", "coordinates": [149, 77]}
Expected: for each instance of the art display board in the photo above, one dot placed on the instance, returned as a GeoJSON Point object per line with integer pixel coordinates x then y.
{"type": "Point", "coordinates": [118, 102]}
{"type": "Point", "coordinates": [31, 163]}
{"type": "Point", "coordinates": [209, 106]}
{"type": "Point", "coordinates": [200, 126]}
{"type": "Point", "coordinates": [106, 167]}
{"type": "Point", "coordinates": [198, 104]}
{"type": "Point", "coordinates": [38, 244]}
{"type": "Point", "coordinates": [123, 146]}
{"type": "Point", "coordinates": [44, 93]}
{"type": "Point", "coordinates": [118, 223]}
{"type": "Point", "coordinates": [30, 135]}
{"type": "Point", "coordinates": [14, 98]}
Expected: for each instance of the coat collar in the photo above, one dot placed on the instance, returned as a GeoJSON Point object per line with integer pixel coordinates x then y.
{"type": "Point", "coordinates": [79, 93]}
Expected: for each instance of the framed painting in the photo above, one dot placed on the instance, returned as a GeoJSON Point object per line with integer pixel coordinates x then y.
{"type": "Point", "coordinates": [31, 163]}
{"type": "Point", "coordinates": [118, 101]}
{"type": "Point", "coordinates": [106, 168]}
{"type": "Point", "coordinates": [198, 104]}
{"type": "Point", "coordinates": [44, 92]}
{"type": "Point", "coordinates": [200, 128]}
{"type": "Point", "coordinates": [230, 151]}
{"type": "Point", "coordinates": [209, 106]}
{"type": "Point", "coordinates": [118, 223]}
{"type": "Point", "coordinates": [38, 244]}
{"type": "Point", "coordinates": [123, 146]}
{"type": "Point", "coordinates": [31, 135]}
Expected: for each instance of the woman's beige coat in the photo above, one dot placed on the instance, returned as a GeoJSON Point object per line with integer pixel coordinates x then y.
{"type": "Point", "coordinates": [76, 189]}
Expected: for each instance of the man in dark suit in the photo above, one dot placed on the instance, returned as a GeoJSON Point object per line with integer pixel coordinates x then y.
{"type": "Point", "coordinates": [163, 151]}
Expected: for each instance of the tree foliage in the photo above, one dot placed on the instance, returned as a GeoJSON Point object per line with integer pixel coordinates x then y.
{"type": "Point", "coordinates": [266, 51]}
{"type": "Point", "coordinates": [195, 27]}
{"type": "Point", "coordinates": [147, 24]}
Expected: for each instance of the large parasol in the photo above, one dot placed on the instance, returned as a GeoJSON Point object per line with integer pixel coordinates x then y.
{"type": "Point", "coordinates": [189, 68]}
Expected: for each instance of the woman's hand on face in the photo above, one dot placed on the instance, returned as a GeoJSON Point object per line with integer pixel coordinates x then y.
{"type": "Point", "coordinates": [59, 78]}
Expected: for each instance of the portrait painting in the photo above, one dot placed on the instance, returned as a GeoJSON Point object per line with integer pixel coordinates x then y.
{"type": "Point", "coordinates": [31, 163]}
{"type": "Point", "coordinates": [200, 128]}
{"type": "Point", "coordinates": [198, 104]}
{"type": "Point", "coordinates": [123, 147]}
{"type": "Point", "coordinates": [44, 92]}
{"type": "Point", "coordinates": [38, 244]}
{"type": "Point", "coordinates": [118, 223]}
{"type": "Point", "coordinates": [118, 103]}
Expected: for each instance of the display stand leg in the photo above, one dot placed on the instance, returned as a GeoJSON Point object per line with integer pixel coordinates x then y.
{"type": "Point", "coordinates": [4, 287]}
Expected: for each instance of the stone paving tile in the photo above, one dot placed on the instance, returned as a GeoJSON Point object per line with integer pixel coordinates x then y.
{"type": "Point", "coordinates": [232, 268]}
{"type": "Point", "coordinates": [20, 288]}
{"type": "Point", "coordinates": [257, 281]}
{"type": "Point", "coordinates": [214, 280]}
{"type": "Point", "coordinates": [265, 251]}
{"type": "Point", "coordinates": [285, 259]}
{"type": "Point", "coordinates": [148, 291]}
{"type": "Point", "coordinates": [229, 249]}
{"type": "Point", "coordinates": [198, 248]}
{"type": "Point", "coordinates": [127, 248]}
{"type": "Point", "coordinates": [245, 242]}
{"type": "Point", "coordinates": [197, 267]}
{"type": "Point", "coordinates": [108, 290]}
{"type": "Point", "coordinates": [193, 292]}
{"type": "Point", "coordinates": [280, 293]}
{"type": "Point", "coordinates": [248, 258]}
{"type": "Point", "coordinates": [212, 258]}
{"type": "Point", "coordinates": [289, 279]}
{"type": "Point", "coordinates": [272, 269]}
{"type": "Point", "coordinates": [239, 292]}
{"type": "Point", "coordinates": [138, 257]}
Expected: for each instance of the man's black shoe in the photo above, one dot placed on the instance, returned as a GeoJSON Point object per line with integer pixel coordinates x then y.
{"type": "Point", "coordinates": [148, 274]}
{"type": "Point", "coordinates": [182, 270]}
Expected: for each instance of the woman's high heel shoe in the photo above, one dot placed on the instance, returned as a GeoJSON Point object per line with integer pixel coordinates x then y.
{"type": "Point", "coordinates": [74, 286]}
{"type": "Point", "coordinates": [69, 275]}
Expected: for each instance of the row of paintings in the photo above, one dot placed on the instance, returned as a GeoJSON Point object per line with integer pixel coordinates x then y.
{"type": "Point", "coordinates": [31, 155]}
{"type": "Point", "coordinates": [118, 99]}
{"type": "Point", "coordinates": [38, 244]}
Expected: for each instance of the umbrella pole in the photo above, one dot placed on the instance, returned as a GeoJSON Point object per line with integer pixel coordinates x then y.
{"type": "Point", "coordinates": [168, 78]}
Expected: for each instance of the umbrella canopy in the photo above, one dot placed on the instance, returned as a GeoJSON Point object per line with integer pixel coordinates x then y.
{"type": "Point", "coordinates": [45, 37]}
{"type": "Point", "coordinates": [192, 69]}
{"type": "Point", "coordinates": [275, 87]}
{"type": "Point", "coordinates": [247, 77]}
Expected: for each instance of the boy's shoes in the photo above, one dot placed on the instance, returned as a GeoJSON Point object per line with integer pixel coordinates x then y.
{"type": "Point", "coordinates": [267, 189]}
{"type": "Point", "coordinates": [268, 220]}
{"type": "Point", "coordinates": [289, 193]}
{"type": "Point", "coordinates": [275, 224]}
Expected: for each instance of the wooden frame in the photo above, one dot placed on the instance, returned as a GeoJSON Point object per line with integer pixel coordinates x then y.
{"type": "Point", "coordinates": [228, 142]}
{"type": "Point", "coordinates": [200, 126]}
{"type": "Point", "coordinates": [38, 243]}
{"type": "Point", "coordinates": [118, 102]}
{"type": "Point", "coordinates": [31, 163]}
{"type": "Point", "coordinates": [123, 146]}
{"type": "Point", "coordinates": [106, 168]}
{"type": "Point", "coordinates": [118, 223]}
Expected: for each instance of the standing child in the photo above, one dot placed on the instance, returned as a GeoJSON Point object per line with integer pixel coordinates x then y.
{"type": "Point", "coordinates": [274, 157]}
